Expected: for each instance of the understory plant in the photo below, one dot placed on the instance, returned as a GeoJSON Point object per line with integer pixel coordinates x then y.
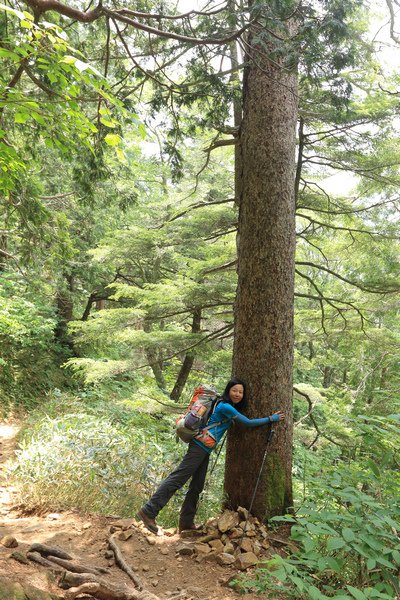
{"type": "Point", "coordinates": [99, 456]}
{"type": "Point", "coordinates": [345, 537]}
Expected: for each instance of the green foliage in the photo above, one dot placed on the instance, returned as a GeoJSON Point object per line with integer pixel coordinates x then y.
{"type": "Point", "coordinates": [28, 356]}
{"type": "Point", "coordinates": [54, 78]}
{"type": "Point", "coordinates": [97, 455]}
{"type": "Point", "coordinates": [346, 531]}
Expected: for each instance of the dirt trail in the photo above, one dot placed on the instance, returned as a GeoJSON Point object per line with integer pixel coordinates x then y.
{"type": "Point", "coordinates": [153, 558]}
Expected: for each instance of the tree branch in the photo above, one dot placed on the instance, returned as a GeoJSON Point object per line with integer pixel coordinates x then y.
{"type": "Point", "coordinates": [360, 286]}
{"type": "Point", "coordinates": [311, 407]}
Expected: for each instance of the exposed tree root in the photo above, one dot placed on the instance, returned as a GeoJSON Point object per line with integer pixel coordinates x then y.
{"type": "Point", "coordinates": [40, 560]}
{"type": "Point", "coordinates": [75, 568]}
{"type": "Point", "coordinates": [119, 559]}
{"type": "Point", "coordinates": [100, 589]}
{"type": "Point", "coordinates": [46, 550]}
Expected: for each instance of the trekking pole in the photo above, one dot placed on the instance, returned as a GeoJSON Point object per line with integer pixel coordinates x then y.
{"type": "Point", "coordinates": [211, 471]}
{"type": "Point", "coordinates": [269, 438]}
{"type": "Point", "coordinates": [217, 457]}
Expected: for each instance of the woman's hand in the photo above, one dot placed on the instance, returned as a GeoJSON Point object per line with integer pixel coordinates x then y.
{"type": "Point", "coordinates": [278, 416]}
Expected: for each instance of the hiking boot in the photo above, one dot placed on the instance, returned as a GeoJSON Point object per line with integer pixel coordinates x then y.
{"type": "Point", "coordinates": [193, 528]}
{"type": "Point", "coordinates": [147, 521]}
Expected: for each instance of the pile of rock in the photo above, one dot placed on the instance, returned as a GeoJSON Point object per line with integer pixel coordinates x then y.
{"type": "Point", "coordinates": [234, 538]}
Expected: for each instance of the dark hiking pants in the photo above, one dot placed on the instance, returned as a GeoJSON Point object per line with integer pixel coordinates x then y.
{"type": "Point", "coordinates": [194, 465]}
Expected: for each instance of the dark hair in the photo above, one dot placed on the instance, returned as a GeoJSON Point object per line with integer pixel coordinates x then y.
{"type": "Point", "coordinates": [240, 406]}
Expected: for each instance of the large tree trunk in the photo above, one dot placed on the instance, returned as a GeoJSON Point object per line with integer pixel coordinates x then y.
{"type": "Point", "coordinates": [263, 343]}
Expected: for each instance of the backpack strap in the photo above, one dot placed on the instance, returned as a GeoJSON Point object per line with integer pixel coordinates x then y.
{"type": "Point", "coordinates": [215, 424]}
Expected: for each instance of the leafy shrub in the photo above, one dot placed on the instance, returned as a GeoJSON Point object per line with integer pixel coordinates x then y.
{"type": "Point", "coordinates": [28, 363]}
{"type": "Point", "coordinates": [347, 531]}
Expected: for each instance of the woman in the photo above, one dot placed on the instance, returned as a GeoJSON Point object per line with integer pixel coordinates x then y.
{"type": "Point", "coordinates": [195, 462]}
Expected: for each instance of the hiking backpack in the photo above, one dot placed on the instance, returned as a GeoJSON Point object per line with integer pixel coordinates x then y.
{"type": "Point", "coordinates": [200, 409]}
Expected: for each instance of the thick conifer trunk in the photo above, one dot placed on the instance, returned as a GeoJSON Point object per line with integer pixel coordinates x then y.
{"type": "Point", "coordinates": [263, 346]}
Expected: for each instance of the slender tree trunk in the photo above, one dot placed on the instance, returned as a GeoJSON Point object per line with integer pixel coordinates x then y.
{"type": "Point", "coordinates": [188, 361]}
{"type": "Point", "coordinates": [3, 255]}
{"type": "Point", "coordinates": [65, 308]}
{"type": "Point", "coordinates": [155, 365]}
{"type": "Point", "coordinates": [328, 373]}
{"type": "Point", "coordinates": [263, 343]}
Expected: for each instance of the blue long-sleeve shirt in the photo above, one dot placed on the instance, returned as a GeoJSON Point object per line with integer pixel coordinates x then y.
{"type": "Point", "coordinates": [224, 414]}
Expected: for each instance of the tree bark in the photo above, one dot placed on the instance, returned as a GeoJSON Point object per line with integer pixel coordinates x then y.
{"type": "Point", "coordinates": [263, 341]}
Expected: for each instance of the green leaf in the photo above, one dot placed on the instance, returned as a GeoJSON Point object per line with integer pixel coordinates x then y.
{"type": "Point", "coordinates": [374, 467]}
{"type": "Point", "coordinates": [348, 534]}
{"type": "Point", "coordinates": [68, 59]}
{"type": "Point", "coordinates": [315, 594]}
{"type": "Point", "coordinates": [9, 54]}
{"type": "Point", "coordinates": [335, 543]}
{"type": "Point", "coordinates": [107, 122]}
{"type": "Point", "coordinates": [358, 594]}
{"type": "Point", "coordinates": [334, 564]}
{"type": "Point", "coordinates": [21, 117]}
{"type": "Point", "coordinates": [362, 550]}
{"type": "Point", "coordinates": [396, 556]}
{"type": "Point", "coordinates": [112, 139]}
{"type": "Point", "coordinates": [385, 563]}
{"type": "Point", "coordinates": [371, 564]}
{"type": "Point", "coordinates": [309, 544]}
{"type": "Point", "coordinates": [38, 118]}
{"type": "Point", "coordinates": [299, 583]}
{"type": "Point", "coordinates": [317, 529]}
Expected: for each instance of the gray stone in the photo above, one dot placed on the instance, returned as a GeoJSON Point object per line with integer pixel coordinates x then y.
{"type": "Point", "coordinates": [229, 548]}
{"type": "Point", "coordinates": [150, 540]}
{"type": "Point", "coordinates": [246, 545]}
{"type": "Point", "coordinates": [217, 545]}
{"type": "Point", "coordinates": [202, 548]}
{"type": "Point", "coordinates": [124, 523]}
{"type": "Point", "coordinates": [184, 550]}
{"type": "Point", "coordinates": [246, 560]}
{"type": "Point", "coordinates": [225, 559]}
{"type": "Point", "coordinates": [125, 535]}
{"type": "Point", "coordinates": [9, 541]}
{"type": "Point", "coordinates": [243, 513]}
{"type": "Point", "coordinates": [228, 520]}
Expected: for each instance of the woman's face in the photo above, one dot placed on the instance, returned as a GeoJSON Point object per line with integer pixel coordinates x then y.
{"type": "Point", "coordinates": [236, 393]}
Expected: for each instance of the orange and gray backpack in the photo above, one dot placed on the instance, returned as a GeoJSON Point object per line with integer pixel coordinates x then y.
{"type": "Point", "coordinates": [200, 409]}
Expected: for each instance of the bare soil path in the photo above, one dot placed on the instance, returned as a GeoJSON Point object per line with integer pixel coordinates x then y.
{"type": "Point", "coordinates": [153, 558]}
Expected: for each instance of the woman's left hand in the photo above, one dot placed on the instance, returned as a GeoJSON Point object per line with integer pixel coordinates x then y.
{"type": "Point", "coordinates": [278, 416]}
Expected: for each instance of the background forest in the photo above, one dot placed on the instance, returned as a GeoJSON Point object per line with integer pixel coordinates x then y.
{"type": "Point", "coordinates": [119, 211]}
